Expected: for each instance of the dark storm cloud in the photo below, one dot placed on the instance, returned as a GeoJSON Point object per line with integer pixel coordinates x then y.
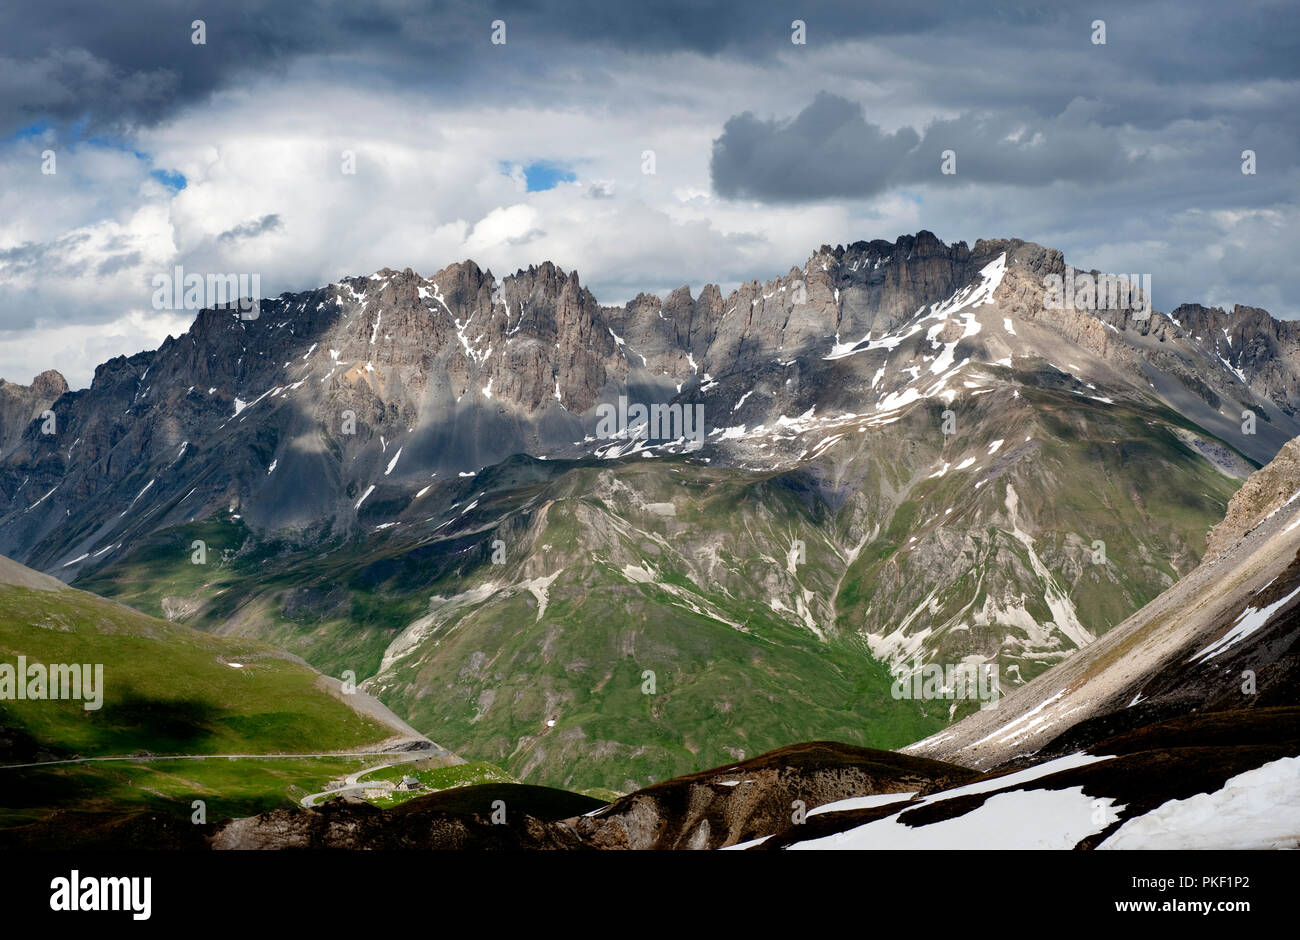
{"type": "Point", "coordinates": [762, 27]}
{"type": "Point", "coordinates": [117, 65]}
{"type": "Point", "coordinates": [831, 150]}
{"type": "Point", "coordinates": [115, 263]}
{"type": "Point", "coordinates": [40, 256]}
{"type": "Point", "coordinates": [267, 223]}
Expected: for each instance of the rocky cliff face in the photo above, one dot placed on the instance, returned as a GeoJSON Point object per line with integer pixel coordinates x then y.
{"type": "Point", "coordinates": [1263, 352]}
{"type": "Point", "coordinates": [732, 805]}
{"type": "Point", "coordinates": [20, 404]}
{"type": "Point", "coordinates": [1262, 496]}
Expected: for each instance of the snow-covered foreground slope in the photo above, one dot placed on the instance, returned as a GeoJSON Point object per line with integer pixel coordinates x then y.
{"type": "Point", "coordinates": [1259, 809]}
{"type": "Point", "coordinates": [1015, 816]}
{"type": "Point", "coordinates": [1223, 780]}
{"type": "Point", "coordinates": [1032, 809]}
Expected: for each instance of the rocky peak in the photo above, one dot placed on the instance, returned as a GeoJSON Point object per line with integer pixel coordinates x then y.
{"type": "Point", "coordinates": [49, 384]}
{"type": "Point", "coordinates": [20, 404]}
{"type": "Point", "coordinates": [1264, 352]}
{"type": "Point", "coordinates": [1263, 494]}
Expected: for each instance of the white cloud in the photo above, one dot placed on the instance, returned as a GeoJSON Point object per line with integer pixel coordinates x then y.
{"type": "Point", "coordinates": [76, 349]}
{"type": "Point", "coordinates": [513, 225]}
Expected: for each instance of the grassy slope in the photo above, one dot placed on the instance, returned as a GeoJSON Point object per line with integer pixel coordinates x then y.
{"type": "Point", "coordinates": [339, 621]}
{"type": "Point", "coordinates": [720, 691]}
{"type": "Point", "coordinates": [494, 680]}
{"type": "Point", "coordinates": [167, 688]}
{"type": "Point", "coordinates": [229, 788]}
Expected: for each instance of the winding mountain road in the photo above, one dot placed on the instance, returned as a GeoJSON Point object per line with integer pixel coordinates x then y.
{"type": "Point", "coordinates": [352, 781]}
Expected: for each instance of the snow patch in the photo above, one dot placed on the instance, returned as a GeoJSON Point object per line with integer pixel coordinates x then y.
{"type": "Point", "coordinates": [1257, 809]}
{"type": "Point", "coordinates": [1250, 620]}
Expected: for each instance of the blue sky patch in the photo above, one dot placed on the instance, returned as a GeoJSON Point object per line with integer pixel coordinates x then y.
{"type": "Point", "coordinates": [541, 175]}
{"type": "Point", "coordinates": [31, 130]}
{"type": "Point", "coordinates": [71, 136]}
{"type": "Point", "coordinates": [169, 178]}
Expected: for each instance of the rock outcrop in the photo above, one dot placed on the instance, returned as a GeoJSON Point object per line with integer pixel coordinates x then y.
{"type": "Point", "coordinates": [21, 404]}
{"type": "Point", "coordinates": [1263, 494]}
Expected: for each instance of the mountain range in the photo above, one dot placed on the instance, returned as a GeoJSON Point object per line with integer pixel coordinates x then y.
{"type": "Point", "coordinates": [907, 457]}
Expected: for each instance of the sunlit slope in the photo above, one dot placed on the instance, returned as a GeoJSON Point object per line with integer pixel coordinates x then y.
{"type": "Point", "coordinates": [166, 688]}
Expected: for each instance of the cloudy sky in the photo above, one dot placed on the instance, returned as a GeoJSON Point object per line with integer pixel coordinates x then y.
{"type": "Point", "coordinates": [229, 156]}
